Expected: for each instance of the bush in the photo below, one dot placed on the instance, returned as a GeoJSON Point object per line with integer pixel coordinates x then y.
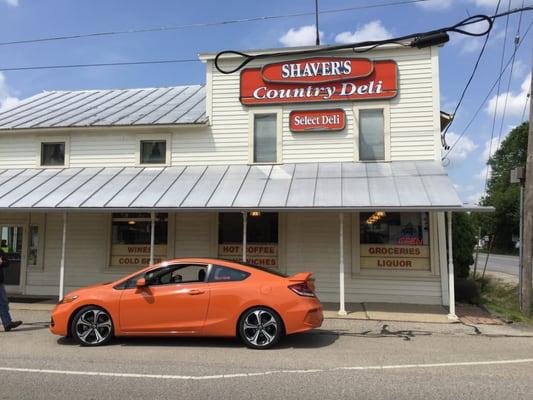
{"type": "Point", "coordinates": [467, 291]}
{"type": "Point", "coordinates": [464, 240]}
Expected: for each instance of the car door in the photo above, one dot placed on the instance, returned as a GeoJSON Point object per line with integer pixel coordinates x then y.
{"type": "Point", "coordinates": [175, 300]}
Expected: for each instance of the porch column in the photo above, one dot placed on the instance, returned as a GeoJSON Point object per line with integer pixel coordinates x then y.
{"type": "Point", "coordinates": [152, 236]}
{"type": "Point", "coordinates": [342, 309]}
{"type": "Point", "coordinates": [244, 229]}
{"type": "Point", "coordinates": [451, 281]}
{"type": "Point", "coordinates": [62, 262]}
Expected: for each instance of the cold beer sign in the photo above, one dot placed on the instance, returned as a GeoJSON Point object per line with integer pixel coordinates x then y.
{"type": "Point", "coordinates": [317, 120]}
{"type": "Point", "coordinates": [319, 79]}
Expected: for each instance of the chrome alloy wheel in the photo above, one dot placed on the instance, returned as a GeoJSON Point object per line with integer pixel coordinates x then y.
{"type": "Point", "coordinates": [93, 327]}
{"type": "Point", "coordinates": [260, 328]}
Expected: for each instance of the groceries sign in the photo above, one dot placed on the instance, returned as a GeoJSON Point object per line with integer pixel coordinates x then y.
{"type": "Point", "coordinates": [319, 79]}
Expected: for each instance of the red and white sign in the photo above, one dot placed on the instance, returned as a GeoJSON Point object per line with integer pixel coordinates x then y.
{"type": "Point", "coordinates": [263, 254]}
{"type": "Point", "coordinates": [317, 120]}
{"type": "Point", "coordinates": [319, 79]}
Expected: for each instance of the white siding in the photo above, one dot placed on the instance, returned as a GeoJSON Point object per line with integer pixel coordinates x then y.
{"type": "Point", "coordinates": [87, 244]}
{"type": "Point", "coordinates": [313, 245]}
{"type": "Point", "coordinates": [413, 115]}
{"type": "Point", "coordinates": [18, 151]}
{"type": "Point", "coordinates": [113, 149]}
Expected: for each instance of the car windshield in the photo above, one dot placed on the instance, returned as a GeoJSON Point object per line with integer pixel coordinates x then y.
{"type": "Point", "coordinates": [269, 270]}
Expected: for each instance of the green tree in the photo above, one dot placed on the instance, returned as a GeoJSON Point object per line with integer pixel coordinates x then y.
{"type": "Point", "coordinates": [464, 240]}
{"type": "Point", "coordinates": [503, 195]}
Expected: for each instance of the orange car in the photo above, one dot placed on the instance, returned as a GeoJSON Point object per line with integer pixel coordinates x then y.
{"type": "Point", "coordinates": [192, 297]}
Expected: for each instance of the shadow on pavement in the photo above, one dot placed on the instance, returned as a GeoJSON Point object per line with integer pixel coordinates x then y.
{"type": "Point", "coordinates": [309, 340]}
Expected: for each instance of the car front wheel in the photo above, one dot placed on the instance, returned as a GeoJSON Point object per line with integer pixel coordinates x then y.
{"type": "Point", "coordinates": [260, 328]}
{"type": "Point", "coordinates": [92, 326]}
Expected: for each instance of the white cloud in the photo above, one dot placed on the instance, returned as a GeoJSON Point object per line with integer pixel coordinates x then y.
{"type": "Point", "coordinates": [303, 36]}
{"type": "Point", "coordinates": [474, 197]}
{"type": "Point", "coordinates": [493, 3]}
{"type": "Point", "coordinates": [461, 151]}
{"type": "Point", "coordinates": [13, 3]}
{"type": "Point", "coordinates": [481, 175]}
{"type": "Point", "coordinates": [7, 100]}
{"type": "Point", "coordinates": [373, 30]}
{"type": "Point", "coordinates": [436, 5]}
{"type": "Point", "coordinates": [515, 101]}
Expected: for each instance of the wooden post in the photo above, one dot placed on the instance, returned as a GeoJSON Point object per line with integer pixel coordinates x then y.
{"type": "Point", "coordinates": [527, 249]}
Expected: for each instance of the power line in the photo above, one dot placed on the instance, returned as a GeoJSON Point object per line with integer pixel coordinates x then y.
{"type": "Point", "coordinates": [497, 94]}
{"type": "Point", "coordinates": [469, 81]}
{"type": "Point", "coordinates": [38, 67]}
{"type": "Point", "coordinates": [474, 116]}
{"type": "Point", "coordinates": [209, 24]}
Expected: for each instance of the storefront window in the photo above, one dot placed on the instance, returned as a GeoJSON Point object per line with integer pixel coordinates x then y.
{"type": "Point", "coordinates": [265, 138]}
{"type": "Point", "coordinates": [371, 135]}
{"type": "Point", "coordinates": [130, 243]}
{"type": "Point", "coordinates": [394, 241]}
{"type": "Point", "coordinates": [261, 238]}
{"type": "Point", "coordinates": [33, 245]}
{"type": "Point", "coordinates": [53, 154]}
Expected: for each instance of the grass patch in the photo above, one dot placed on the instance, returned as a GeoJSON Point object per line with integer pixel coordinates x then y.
{"type": "Point", "coordinates": [501, 299]}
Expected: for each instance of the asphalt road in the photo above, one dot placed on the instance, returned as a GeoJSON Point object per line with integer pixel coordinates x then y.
{"type": "Point", "coordinates": [342, 360]}
{"type": "Point", "coordinates": [499, 263]}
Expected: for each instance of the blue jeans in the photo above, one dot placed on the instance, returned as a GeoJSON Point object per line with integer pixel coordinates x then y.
{"type": "Point", "coordinates": [4, 306]}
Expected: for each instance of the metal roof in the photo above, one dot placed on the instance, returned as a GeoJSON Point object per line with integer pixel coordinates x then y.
{"type": "Point", "coordinates": [320, 186]}
{"type": "Point", "coordinates": [111, 107]}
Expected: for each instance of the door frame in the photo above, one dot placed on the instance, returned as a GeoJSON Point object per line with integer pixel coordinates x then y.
{"type": "Point", "coordinates": [20, 288]}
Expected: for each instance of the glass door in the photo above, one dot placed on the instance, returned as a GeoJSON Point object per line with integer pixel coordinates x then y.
{"type": "Point", "coordinates": [11, 246]}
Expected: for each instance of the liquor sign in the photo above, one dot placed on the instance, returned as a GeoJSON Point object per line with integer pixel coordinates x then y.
{"type": "Point", "coordinates": [317, 120]}
{"type": "Point", "coordinates": [385, 256]}
{"type": "Point", "coordinates": [263, 254]}
{"type": "Point", "coordinates": [319, 79]}
{"type": "Point", "coordinates": [136, 255]}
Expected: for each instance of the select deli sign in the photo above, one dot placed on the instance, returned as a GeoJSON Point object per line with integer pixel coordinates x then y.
{"type": "Point", "coordinates": [317, 120]}
{"type": "Point", "coordinates": [319, 79]}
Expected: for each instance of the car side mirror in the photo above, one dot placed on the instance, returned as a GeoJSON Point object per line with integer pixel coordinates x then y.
{"type": "Point", "coordinates": [141, 282]}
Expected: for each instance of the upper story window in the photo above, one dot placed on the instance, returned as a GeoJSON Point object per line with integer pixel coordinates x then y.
{"type": "Point", "coordinates": [265, 141]}
{"type": "Point", "coordinates": [371, 135]}
{"type": "Point", "coordinates": [52, 153]}
{"type": "Point", "coordinates": [153, 152]}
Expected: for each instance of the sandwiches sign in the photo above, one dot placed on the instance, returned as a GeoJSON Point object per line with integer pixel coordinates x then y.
{"type": "Point", "coordinates": [319, 79]}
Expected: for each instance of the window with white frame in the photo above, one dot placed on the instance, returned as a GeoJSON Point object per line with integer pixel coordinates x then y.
{"type": "Point", "coordinates": [153, 152]}
{"type": "Point", "coordinates": [53, 154]}
{"type": "Point", "coordinates": [371, 134]}
{"type": "Point", "coordinates": [265, 139]}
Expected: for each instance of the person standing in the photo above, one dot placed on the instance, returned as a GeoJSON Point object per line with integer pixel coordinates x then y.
{"type": "Point", "coordinates": [4, 302]}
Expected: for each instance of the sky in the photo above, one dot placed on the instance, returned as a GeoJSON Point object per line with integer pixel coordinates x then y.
{"type": "Point", "coordinates": [30, 19]}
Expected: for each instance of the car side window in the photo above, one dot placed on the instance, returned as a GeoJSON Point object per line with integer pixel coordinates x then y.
{"type": "Point", "coordinates": [226, 274]}
{"type": "Point", "coordinates": [177, 274]}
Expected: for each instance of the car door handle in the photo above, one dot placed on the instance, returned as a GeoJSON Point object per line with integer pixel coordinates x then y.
{"type": "Point", "coordinates": [193, 292]}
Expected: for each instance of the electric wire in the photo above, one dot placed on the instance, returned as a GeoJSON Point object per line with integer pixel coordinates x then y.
{"type": "Point", "coordinates": [497, 97]}
{"type": "Point", "coordinates": [474, 116]}
{"type": "Point", "coordinates": [39, 67]}
{"type": "Point", "coordinates": [210, 24]}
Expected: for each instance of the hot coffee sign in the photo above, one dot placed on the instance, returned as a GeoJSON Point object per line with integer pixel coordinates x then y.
{"type": "Point", "coordinates": [319, 79]}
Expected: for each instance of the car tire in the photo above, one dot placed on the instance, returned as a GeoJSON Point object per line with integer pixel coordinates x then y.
{"type": "Point", "coordinates": [92, 326]}
{"type": "Point", "coordinates": [260, 328]}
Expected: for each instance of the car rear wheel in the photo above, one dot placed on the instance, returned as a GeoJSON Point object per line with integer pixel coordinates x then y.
{"type": "Point", "coordinates": [92, 326]}
{"type": "Point", "coordinates": [260, 328]}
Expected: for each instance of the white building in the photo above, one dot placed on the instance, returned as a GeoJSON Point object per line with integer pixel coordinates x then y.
{"type": "Point", "coordinates": [311, 153]}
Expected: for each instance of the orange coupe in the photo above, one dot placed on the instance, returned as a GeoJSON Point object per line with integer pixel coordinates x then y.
{"type": "Point", "coordinates": [192, 297]}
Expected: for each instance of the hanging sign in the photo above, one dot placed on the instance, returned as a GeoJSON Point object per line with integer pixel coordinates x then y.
{"type": "Point", "coordinates": [319, 79]}
{"type": "Point", "coordinates": [317, 120]}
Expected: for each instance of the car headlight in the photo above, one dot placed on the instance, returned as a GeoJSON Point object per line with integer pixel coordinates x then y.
{"type": "Point", "coordinates": [68, 299]}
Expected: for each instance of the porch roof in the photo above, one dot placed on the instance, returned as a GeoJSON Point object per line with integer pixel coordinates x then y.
{"type": "Point", "coordinates": [398, 185]}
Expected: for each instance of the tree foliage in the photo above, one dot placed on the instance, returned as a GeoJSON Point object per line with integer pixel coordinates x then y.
{"type": "Point", "coordinates": [503, 195]}
{"type": "Point", "coordinates": [463, 240]}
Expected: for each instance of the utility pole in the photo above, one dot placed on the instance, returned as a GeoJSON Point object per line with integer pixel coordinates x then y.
{"type": "Point", "coordinates": [527, 250]}
{"type": "Point", "coordinates": [316, 24]}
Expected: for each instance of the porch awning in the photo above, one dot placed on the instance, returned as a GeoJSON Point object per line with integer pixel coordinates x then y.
{"type": "Point", "coordinates": [401, 185]}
